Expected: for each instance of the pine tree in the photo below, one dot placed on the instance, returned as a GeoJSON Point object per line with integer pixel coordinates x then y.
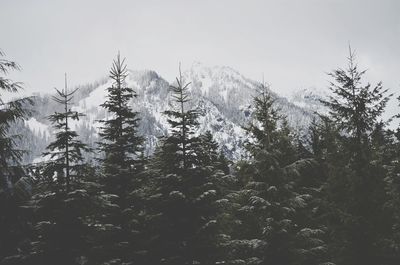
{"type": "Point", "coordinates": [122, 164]}
{"type": "Point", "coordinates": [355, 107]}
{"type": "Point", "coordinates": [355, 183]}
{"type": "Point", "coordinates": [59, 233]}
{"type": "Point", "coordinates": [207, 188]}
{"type": "Point", "coordinates": [209, 154]}
{"type": "Point", "coordinates": [274, 204]}
{"type": "Point", "coordinates": [121, 145]}
{"type": "Point", "coordinates": [390, 149]}
{"type": "Point", "coordinates": [67, 227]}
{"type": "Point", "coordinates": [69, 212]}
{"type": "Point", "coordinates": [66, 151]}
{"type": "Point", "coordinates": [181, 141]}
{"type": "Point", "coordinates": [11, 112]}
{"type": "Point", "coordinates": [185, 189]}
{"type": "Point", "coordinates": [169, 202]}
{"type": "Point", "coordinates": [385, 156]}
{"type": "Point", "coordinates": [11, 172]}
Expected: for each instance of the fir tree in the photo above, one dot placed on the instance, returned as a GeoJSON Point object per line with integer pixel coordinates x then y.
{"type": "Point", "coordinates": [66, 151]}
{"type": "Point", "coordinates": [68, 227]}
{"type": "Point", "coordinates": [273, 202]}
{"type": "Point", "coordinates": [185, 189]}
{"type": "Point", "coordinates": [121, 145]}
{"type": "Point", "coordinates": [209, 154]}
{"type": "Point", "coordinates": [181, 142]}
{"type": "Point", "coordinates": [59, 233]}
{"type": "Point", "coordinates": [69, 212]}
{"type": "Point", "coordinates": [355, 107]}
{"type": "Point", "coordinates": [11, 222]}
{"type": "Point", "coordinates": [355, 183]}
{"type": "Point", "coordinates": [11, 112]}
{"type": "Point", "coordinates": [122, 164]}
{"type": "Point", "coordinates": [169, 202]}
{"type": "Point", "coordinates": [390, 149]}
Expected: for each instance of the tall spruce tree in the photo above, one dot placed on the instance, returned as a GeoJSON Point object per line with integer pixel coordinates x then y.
{"type": "Point", "coordinates": [59, 201]}
{"type": "Point", "coordinates": [389, 145]}
{"type": "Point", "coordinates": [11, 112]}
{"type": "Point", "coordinates": [185, 189]}
{"type": "Point", "coordinates": [121, 145]}
{"type": "Point", "coordinates": [183, 123]}
{"type": "Point", "coordinates": [69, 211]}
{"type": "Point", "coordinates": [11, 224]}
{"type": "Point", "coordinates": [355, 180]}
{"type": "Point", "coordinates": [273, 203]}
{"type": "Point", "coordinates": [169, 201]}
{"type": "Point", "coordinates": [66, 151]}
{"type": "Point", "coordinates": [122, 164]}
{"type": "Point", "coordinates": [353, 106]}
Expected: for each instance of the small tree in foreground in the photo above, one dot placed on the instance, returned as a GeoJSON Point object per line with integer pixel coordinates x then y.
{"type": "Point", "coordinates": [11, 225]}
{"type": "Point", "coordinates": [66, 151]}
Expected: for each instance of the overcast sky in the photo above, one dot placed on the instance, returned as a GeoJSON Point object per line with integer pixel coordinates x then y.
{"type": "Point", "coordinates": [293, 43]}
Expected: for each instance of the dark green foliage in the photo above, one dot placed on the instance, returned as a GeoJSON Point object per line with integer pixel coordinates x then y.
{"type": "Point", "coordinates": [181, 144]}
{"type": "Point", "coordinates": [122, 164]}
{"type": "Point", "coordinates": [354, 106]}
{"type": "Point", "coordinates": [121, 145]}
{"type": "Point", "coordinates": [58, 205]}
{"type": "Point", "coordinates": [392, 242]}
{"type": "Point", "coordinates": [186, 174]}
{"type": "Point", "coordinates": [68, 211]}
{"type": "Point", "coordinates": [12, 224]}
{"type": "Point", "coordinates": [172, 224]}
{"type": "Point", "coordinates": [209, 155]}
{"type": "Point", "coordinates": [331, 196]}
{"type": "Point", "coordinates": [10, 112]}
{"type": "Point", "coordinates": [273, 207]}
{"type": "Point", "coordinates": [66, 152]}
{"type": "Point", "coordinates": [66, 226]}
{"type": "Point", "coordinates": [345, 143]}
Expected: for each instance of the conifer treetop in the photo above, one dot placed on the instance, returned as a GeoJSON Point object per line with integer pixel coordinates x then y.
{"type": "Point", "coordinates": [10, 112]}
{"type": "Point", "coordinates": [65, 152]}
{"type": "Point", "coordinates": [355, 106]}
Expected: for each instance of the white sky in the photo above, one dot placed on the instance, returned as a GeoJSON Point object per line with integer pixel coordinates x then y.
{"type": "Point", "coordinates": [293, 43]}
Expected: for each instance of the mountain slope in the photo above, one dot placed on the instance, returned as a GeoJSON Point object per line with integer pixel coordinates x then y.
{"type": "Point", "coordinates": [222, 95]}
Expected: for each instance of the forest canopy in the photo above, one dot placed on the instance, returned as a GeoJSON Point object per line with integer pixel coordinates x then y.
{"type": "Point", "coordinates": [331, 196]}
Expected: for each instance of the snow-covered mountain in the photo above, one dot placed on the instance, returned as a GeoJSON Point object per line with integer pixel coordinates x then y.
{"type": "Point", "coordinates": [309, 99]}
{"type": "Point", "coordinates": [222, 95]}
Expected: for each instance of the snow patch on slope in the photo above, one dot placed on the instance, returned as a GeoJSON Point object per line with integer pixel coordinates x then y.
{"type": "Point", "coordinates": [222, 95]}
{"type": "Point", "coordinates": [38, 128]}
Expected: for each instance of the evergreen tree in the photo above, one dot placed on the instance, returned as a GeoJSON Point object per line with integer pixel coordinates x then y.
{"type": "Point", "coordinates": [385, 152]}
{"type": "Point", "coordinates": [68, 212]}
{"type": "Point", "coordinates": [169, 203]}
{"type": "Point", "coordinates": [121, 144]}
{"type": "Point", "coordinates": [11, 112]}
{"type": "Point", "coordinates": [122, 165]}
{"type": "Point", "coordinates": [209, 154]}
{"type": "Point", "coordinates": [274, 205]}
{"type": "Point", "coordinates": [355, 108]}
{"type": "Point", "coordinates": [66, 151]}
{"type": "Point", "coordinates": [67, 227]}
{"type": "Point", "coordinates": [185, 190]}
{"type": "Point", "coordinates": [181, 145]}
{"type": "Point", "coordinates": [11, 223]}
{"type": "Point", "coordinates": [391, 149]}
{"type": "Point", "coordinates": [355, 182]}
{"type": "Point", "coordinates": [58, 203]}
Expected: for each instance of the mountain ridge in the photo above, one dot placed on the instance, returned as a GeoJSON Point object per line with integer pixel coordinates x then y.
{"type": "Point", "coordinates": [222, 95]}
